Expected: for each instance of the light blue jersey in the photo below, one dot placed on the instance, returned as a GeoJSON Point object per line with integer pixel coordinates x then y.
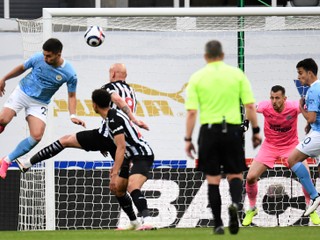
{"type": "Point", "coordinates": [313, 103]}
{"type": "Point", "coordinates": [44, 80]}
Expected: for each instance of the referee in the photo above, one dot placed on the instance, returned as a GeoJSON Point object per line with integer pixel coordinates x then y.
{"type": "Point", "coordinates": [217, 90]}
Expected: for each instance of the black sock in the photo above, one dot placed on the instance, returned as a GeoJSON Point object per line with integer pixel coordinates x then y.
{"type": "Point", "coordinates": [236, 188]}
{"type": "Point", "coordinates": [47, 152]}
{"type": "Point", "coordinates": [126, 204]}
{"type": "Point", "coordinates": [215, 203]}
{"type": "Point", "coordinates": [140, 202]}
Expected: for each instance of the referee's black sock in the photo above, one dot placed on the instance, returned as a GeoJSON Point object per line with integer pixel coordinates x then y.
{"type": "Point", "coordinates": [140, 202]}
{"type": "Point", "coordinates": [47, 152]}
{"type": "Point", "coordinates": [126, 204]}
{"type": "Point", "coordinates": [215, 203]}
{"type": "Point", "coordinates": [236, 188]}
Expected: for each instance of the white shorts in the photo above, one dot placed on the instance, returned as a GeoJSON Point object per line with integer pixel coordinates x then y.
{"type": "Point", "coordinates": [19, 100]}
{"type": "Point", "coordinates": [311, 144]}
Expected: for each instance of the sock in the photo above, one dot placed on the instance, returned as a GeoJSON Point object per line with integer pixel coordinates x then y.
{"type": "Point", "coordinates": [215, 204]}
{"type": "Point", "coordinates": [306, 196]}
{"type": "Point", "coordinates": [140, 202]}
{"type": "Point", "coordinates": [252, 191]}
{"type": "Point", "coordinates": [126, 204]}
{"type": "Point", "coordinates": [235, 188]}
{"type": "Point", "coordinates": [47, 152]}
{"type": "Point", "coordinates": [300, 170]}
{"type": "Point", "coordinates": [22, 148]}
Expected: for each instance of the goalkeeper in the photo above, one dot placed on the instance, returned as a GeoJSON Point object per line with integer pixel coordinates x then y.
{"type": "Point", "coordinates": [281, 137]}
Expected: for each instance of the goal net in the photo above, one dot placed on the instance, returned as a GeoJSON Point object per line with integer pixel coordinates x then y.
{"type": "Point", "coordinates": [161, 49]}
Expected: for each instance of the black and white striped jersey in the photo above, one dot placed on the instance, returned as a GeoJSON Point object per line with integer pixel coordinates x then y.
{"type": "Point", "coordinates": [118, 122]}
{"type": "Point", "coordinates": [124, 91]}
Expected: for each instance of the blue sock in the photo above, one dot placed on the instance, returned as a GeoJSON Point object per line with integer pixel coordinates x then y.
{"type": "Point", "coordinates": [23, 147]}
{"type": "Point", "coordinates": [300, 170]}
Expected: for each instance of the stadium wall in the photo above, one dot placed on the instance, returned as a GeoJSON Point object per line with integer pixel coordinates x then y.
{"type": "Point", "coordinates": [177, 195]}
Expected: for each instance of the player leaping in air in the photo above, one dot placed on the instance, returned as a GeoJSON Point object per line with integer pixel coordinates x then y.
{"type": "Point", "coordinates": [92, 140]}
{"type": "Point", "coordinates": [34, 92]}
{"type": "Point", "coordinates": [281, 137]}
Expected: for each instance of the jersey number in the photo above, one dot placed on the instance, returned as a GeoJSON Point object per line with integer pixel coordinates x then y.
{"type": "Point", "coordinates": [130, 103]}
{"type": "Point", "coordinates": [44, 111]}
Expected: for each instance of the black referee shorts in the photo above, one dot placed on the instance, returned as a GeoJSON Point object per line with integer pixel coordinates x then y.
{"type": "Point", "coordinates": [221, 152]}
{"type": "Point", "coordinates": [92, 140]}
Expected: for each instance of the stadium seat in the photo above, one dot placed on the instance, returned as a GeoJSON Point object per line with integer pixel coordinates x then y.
{"type": "Point", "coordinates": [304, 3]}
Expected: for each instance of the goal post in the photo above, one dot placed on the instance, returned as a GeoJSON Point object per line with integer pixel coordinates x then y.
{"type": "Point", "coordinates": [161, 48]}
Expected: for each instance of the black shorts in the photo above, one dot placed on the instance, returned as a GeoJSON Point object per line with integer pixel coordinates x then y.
{"type": "Point", "coordinates": [92, 140]}
{"type": "Point", "coordinates": [221, 152]}
{"type": "Point", "coordinates": [136, 165]}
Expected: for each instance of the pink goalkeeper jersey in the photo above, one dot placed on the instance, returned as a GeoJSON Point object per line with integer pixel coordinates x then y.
{"type": "Point", "coordinates": [280, 129]}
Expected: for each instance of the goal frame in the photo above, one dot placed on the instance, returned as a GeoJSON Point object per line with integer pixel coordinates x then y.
{"type": "Point", "coordinates": [49, 13]}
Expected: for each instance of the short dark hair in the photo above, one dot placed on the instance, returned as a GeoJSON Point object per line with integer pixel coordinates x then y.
{"type": "Point", "coordinates": [52, 45]}
{"type": "Point", "coordinates": [213, 49]}
{"type": "Point", "coordinates": [277, 88]}
{"type": "Point", "coordinates": [308, 64]}
{"type": "Point", "coordinates": [101, 97]}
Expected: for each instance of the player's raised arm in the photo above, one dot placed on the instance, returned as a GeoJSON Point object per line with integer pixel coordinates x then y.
{"type": "Point", "coordinates": [121, 104]}
{"type": "Point", "coordinates": [17, 71]}
{"type": "Point", "coordinates": [123, 96]}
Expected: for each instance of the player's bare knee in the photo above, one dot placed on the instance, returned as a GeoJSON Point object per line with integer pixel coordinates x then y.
{"type": "Point", "coordinates": [37, 137]}
{"type": "Point", "coordinates": [67, 140]}
{"type": "Point", "coordinates": [291, 162]}
{"type": "Point", "coordinates": [3, 121]}
{"type": "Point", "coordinates": [251, 179]}
{"type": "Point", "coordinates": [119, 192]}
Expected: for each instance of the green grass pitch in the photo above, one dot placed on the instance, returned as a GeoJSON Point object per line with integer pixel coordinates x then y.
{"type": "Point", "coordinates": [250, 233]}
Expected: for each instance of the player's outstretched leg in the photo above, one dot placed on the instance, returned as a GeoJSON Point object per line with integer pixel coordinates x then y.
{"type": "Point", "coordinates": [22, 148]}
{"type": "Point", "coordinates": [23, 164]}
{"type": "Point", "coordinates": [45, 153]}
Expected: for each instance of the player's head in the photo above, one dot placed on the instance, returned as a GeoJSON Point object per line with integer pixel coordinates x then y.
{"type": "Point", "coordinates": [213, 51]}
{"type": "Point", "coordinates": [100, 99]}
{"type": "Point", "coordinates": [278, 97]}
{"type": "Point", "coordinates": [117, 71]}
{"type": "Point", "coordinates": [307, 71]}
{"type": "Point", "coordinates": [52, 49]}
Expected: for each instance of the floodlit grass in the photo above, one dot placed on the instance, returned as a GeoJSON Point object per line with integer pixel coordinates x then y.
{"type": "Point", "coordinates": [251, 233]}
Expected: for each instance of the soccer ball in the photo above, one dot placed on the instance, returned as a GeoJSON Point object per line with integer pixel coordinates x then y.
{"type": "Point", "coordinates": [94, 36]}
